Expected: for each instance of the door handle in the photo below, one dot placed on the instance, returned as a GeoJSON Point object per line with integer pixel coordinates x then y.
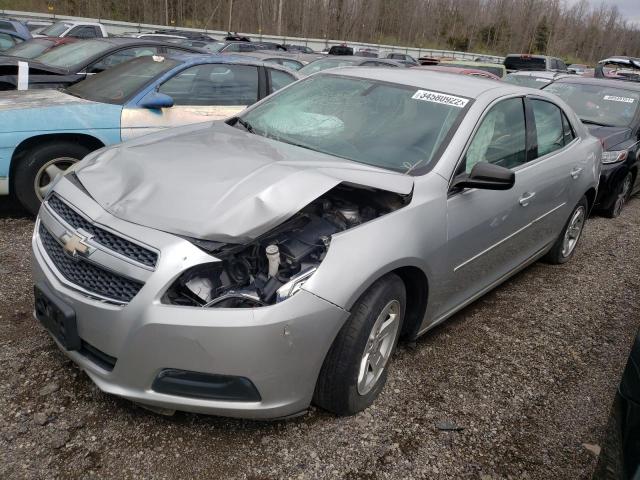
{"type": "Point", "coordinates": [575, 173]}
{"type": "Point", "coordinates": [524, 199]}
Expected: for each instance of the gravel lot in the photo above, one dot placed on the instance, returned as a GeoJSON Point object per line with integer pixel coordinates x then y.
{"type": "Point", "coordinates": [527, 373]}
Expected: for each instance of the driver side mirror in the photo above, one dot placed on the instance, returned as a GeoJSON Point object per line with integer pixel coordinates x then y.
{"type": "Point", "coordinates": [156, 101]}
{"type": "Point", "coordinates": [486, 176]}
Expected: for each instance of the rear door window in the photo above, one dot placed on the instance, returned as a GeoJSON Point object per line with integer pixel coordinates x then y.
{"type": "Point", "coordinates": [279, 79]}
{"type": "Point", "coordinates": [549, 126]}
{"type": "Point", "coordinates": [214, 84]}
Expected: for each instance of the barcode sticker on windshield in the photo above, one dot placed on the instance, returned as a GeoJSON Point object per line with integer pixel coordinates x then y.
{"type": "Point", "coordinates": [542, 80]}
{"type": "Point", "coordinates": [435, 97]}
{"type": "Point", "coordinates": [613, 98]}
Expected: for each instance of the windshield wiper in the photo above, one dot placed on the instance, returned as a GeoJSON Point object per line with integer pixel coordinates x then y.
{"type": "Point", "coordinates": [593, 122]}
{"type": "Point", "coordinates": [246, 125]}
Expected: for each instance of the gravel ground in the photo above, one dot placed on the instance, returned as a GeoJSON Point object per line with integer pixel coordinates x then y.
{"type": "Point", "coordinates": [526, 376]}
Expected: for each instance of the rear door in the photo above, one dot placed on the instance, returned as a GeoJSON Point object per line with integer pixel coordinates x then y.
{"type": "Point", "coordinates": [545, 182]}
{"type": "Point", "coordinates": [200, 93]}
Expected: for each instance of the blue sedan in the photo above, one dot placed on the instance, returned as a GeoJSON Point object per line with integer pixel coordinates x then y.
{"type": "Point", "coordinates": [44, 132]}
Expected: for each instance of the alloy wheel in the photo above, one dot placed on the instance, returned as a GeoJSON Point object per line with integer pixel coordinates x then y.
{"type": "Point", "coordinates": [573, 231]}
{"type": "Point", "coordinates": [379, 347]}
{"type": "Point", "coordinates": [623, 194]}
{"type": "Point", "coordinates": [48, 172]}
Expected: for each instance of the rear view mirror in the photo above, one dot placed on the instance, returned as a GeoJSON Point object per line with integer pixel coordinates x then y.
{"type": "Point", "coordinates": [156, 101]}
{"type": "Point", "coordinates": [486, 176]}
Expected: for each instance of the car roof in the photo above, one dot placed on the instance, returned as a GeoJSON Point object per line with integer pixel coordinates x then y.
{"type": "Point", "coordinates": [471, 63]}
{"type": "Point", "coordinates": [622, 84]}
{"type": "Point", "coordinates": [462, 70]}
{"type": "Point", "coordinates": [539, 73]}
{"type": "Point", "coordinates": [526, 55]}
{"type": "Point", "coordinates": [454, 84]}
{"type": "Point", "coordinates": [199, 58]}
{"type": "Point", "coordinates": [79, 22]}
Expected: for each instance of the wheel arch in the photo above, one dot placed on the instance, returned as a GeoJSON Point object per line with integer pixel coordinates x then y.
{"type": "Point", "coordinates": [89, 141]}
{"type": "Point", "coordinates": [416, 283]}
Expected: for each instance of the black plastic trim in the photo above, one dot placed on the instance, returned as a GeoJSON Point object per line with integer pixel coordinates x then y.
{"type": "Point", "coordinates": [206, 386]}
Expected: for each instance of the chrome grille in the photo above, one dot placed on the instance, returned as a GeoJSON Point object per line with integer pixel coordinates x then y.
{"type": "Point", "coordinates": [86, 275]}
{"type": "Point", "coordinates": [103, 237]}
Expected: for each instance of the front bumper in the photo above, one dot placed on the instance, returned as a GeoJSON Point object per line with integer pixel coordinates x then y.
{"type": "Point", "coordinates": [279, 348]}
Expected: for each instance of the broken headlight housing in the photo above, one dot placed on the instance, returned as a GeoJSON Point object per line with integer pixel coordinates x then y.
{"type": "Point", "coordinates": [276, 265]}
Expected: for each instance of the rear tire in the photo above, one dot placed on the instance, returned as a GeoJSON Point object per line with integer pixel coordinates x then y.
{"type": "Point", "coordinates": [566, 244]}
{"type": "Point", "coordinates": [355, 369]}
{"type": "Point", "coordinates": [37, 168]}
{"type": "Point", "coordinates": [622, 194]}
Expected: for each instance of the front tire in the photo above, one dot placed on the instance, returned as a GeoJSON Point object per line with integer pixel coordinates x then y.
{"type": "Point", "coordinates": [622, 194]}
{"type": "Point", "coordinates": [355, 369]}
{"type": "Point", "coordinates": [37, 168]}
{"type": "Point", "coordinates": [565, 245]}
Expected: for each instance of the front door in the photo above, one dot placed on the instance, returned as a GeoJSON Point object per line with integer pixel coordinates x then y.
{"type": "Point", "coordinates": [484, 227]}
{"type": "Point", "coordinates": [201, 93]}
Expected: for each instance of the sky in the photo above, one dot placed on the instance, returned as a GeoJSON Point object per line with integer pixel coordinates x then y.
{"type": "Point", "coordinates": [629, 9]}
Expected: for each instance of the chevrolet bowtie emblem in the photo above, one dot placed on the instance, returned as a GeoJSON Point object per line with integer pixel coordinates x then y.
{"type": "Point", "coordinates": [73, 244]}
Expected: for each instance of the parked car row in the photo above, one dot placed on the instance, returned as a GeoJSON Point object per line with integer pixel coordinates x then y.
{"type": "Point", "coordinates": [201, 268]}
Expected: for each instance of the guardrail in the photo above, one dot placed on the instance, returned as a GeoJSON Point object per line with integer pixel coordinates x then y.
{"type": "Point", "coordinates": [115, 28]}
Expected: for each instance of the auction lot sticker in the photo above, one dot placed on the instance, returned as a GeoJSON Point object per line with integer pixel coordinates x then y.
{"type": "Point", "coordinates": [435, 97]}
{"type": "Point", "coordinates": [613, 98]}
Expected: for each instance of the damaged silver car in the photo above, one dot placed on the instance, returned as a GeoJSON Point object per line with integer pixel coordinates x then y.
{"type": "Point", "coordinates": [251, 266]}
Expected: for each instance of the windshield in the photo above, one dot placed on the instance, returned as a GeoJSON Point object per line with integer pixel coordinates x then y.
{"type": "Point", "coordinates": [56, 29]}
{"type": "Point", "coordinates": [599, 104]}
{"type": "Point", "coordinates": [30, 49]}
{"type": "Point", "coordinates": [527, 80]}
{"type": "Point", "coordinates": [386, 125]}
{"type": "Point", "coordinates": [324, 64]}
{"type": "Point", "coordinates": [73, 53]}
{"type": "Point", "coordinates": [120, 83]}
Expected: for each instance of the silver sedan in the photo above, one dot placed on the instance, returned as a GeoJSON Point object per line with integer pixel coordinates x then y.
{"type": "Point", "coordinates": [251, 266]}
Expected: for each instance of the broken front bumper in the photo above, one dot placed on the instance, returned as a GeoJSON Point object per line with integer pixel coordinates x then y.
{"type": "Point", "coordinates": [279, 349]}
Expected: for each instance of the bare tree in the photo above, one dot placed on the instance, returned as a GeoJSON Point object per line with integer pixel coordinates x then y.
{"type": "Point", "coordinates": [576, 32]}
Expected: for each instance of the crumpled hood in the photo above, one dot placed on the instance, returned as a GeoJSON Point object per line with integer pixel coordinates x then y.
{"type": "Point", "coordinates": [216, 182]}
{"type": "Point", "coordinates": [609, 136]}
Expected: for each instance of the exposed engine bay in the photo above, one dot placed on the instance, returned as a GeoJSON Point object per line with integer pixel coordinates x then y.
{"type": "Point", "coordinates": [275, 266]}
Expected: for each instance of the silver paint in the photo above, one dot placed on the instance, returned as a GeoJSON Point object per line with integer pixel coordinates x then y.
{"type": "Point", "coordinates": [218, 182]}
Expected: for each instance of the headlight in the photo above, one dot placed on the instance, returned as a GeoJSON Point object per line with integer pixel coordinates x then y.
{"type": "Point", "coordinates": [294, 285]}
{"type": "Point", "coordinates": [614, 156]}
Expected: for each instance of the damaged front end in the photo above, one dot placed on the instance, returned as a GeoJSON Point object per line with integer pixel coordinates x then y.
{"type": "Point", "coordinates": [276, 265]}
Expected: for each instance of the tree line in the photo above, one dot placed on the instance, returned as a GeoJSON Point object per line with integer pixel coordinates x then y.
{"type": "Point", "coordinates": [574, 32]}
